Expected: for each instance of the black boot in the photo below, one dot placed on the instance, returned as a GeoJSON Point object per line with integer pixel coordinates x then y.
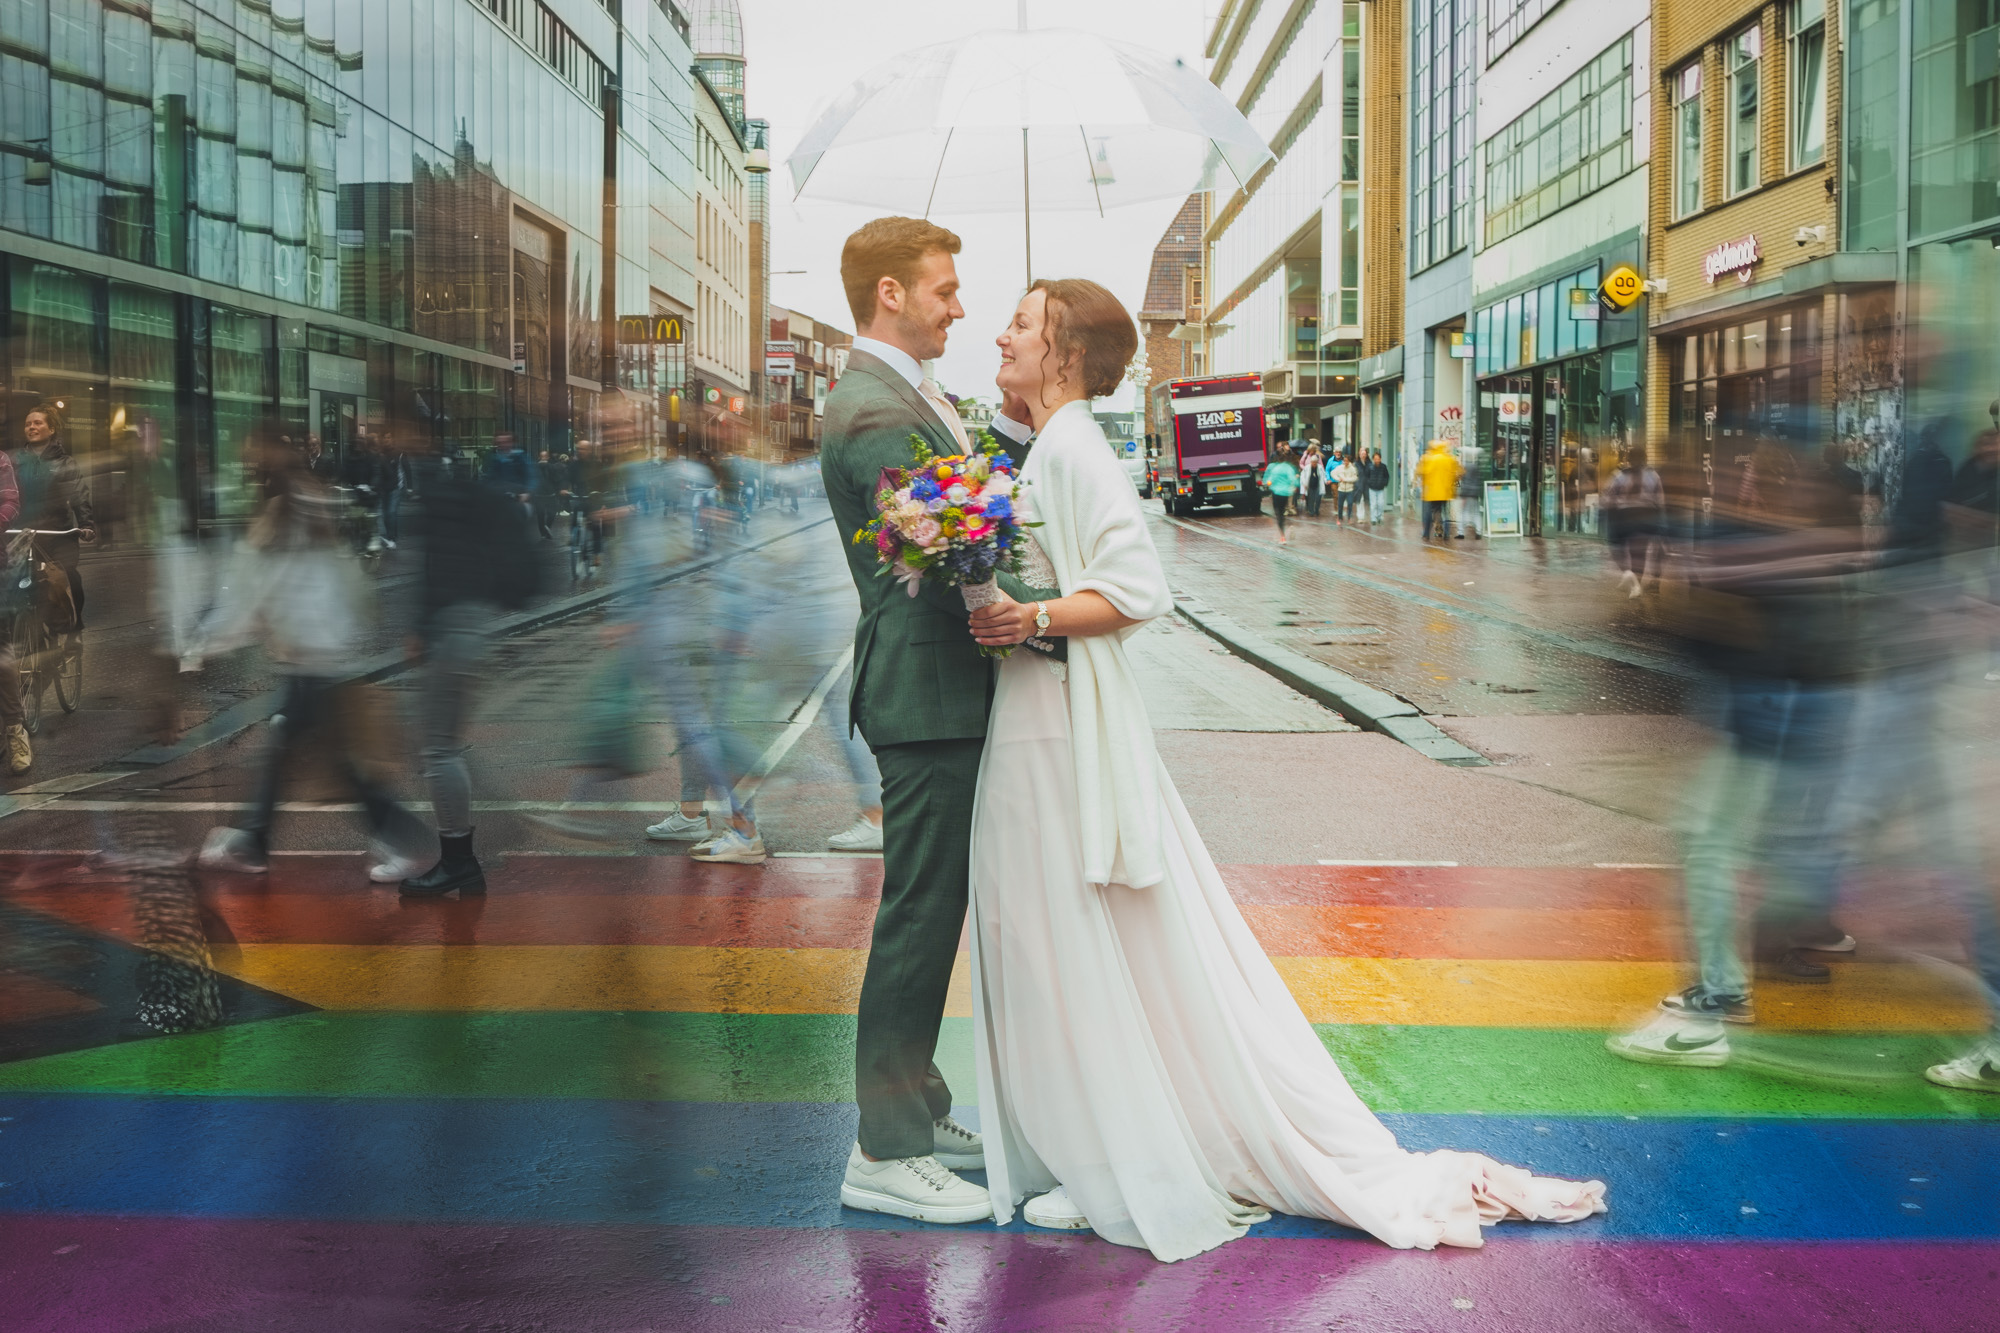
{"type": "Point", "coordinates": [457, 871]}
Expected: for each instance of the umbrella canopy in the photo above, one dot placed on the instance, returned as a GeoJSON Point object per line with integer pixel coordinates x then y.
{"type": "Point", "coordinates": [986, 123]}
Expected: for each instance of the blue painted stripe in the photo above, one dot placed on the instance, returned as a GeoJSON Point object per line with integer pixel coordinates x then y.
{"type": "Point", "coordinates": [778, 1165]}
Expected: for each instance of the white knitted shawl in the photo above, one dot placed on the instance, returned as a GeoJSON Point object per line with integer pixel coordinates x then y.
{"type": "Point", "coordinates": [1095, 536]}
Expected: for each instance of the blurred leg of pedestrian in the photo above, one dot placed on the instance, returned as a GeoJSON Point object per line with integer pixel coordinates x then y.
{"type": "Point", "coordinates": [1278, 511]}
{"type": "Point", "coordinates": [1437, 513]}
{"type": "Point", "coordinates": [453, 658]}
{"type": "Point", "coordinates": [865, 834]}
{"type": "Point", "coordinates": [1376, 500]}
{"type": "Point", "coordinates": [13, 729]}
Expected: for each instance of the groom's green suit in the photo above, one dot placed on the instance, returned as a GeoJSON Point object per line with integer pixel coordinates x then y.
{"type": "Point", "coordinates": [921, 695]}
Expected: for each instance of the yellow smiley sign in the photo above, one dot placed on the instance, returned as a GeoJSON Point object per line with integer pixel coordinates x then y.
{"type": "Point", "coordinates": [1621, 287]}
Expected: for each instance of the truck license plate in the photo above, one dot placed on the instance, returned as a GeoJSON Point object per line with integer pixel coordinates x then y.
{"type": "Point", "coordinates": [1223, 487]}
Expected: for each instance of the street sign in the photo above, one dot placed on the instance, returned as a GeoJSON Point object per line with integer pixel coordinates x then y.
{"type": "Point", "coordinates": [1462, 346]}
{"type": "Point", "coordinates": [1583, 304]}
{"type": "Point", "coordinates": [736, 404]}
{"type": "Point", "coordinates": [1621, 289]}
{"type": "Point", "coordinates": [779, 358]}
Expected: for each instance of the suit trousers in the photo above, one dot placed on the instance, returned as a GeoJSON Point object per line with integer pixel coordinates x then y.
{"type": "Point", "coordinates": [927, 790]}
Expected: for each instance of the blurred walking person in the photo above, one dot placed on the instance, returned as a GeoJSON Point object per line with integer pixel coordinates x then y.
{"type": "Point", "coordinates": [1634, 504]}
{"type": "Point", "coordinates": [1281, 479]}
{"type": "Point", "coordinates": [1313, 480]}
{"type": "Point", "coordinates": [293, 589]}
{"type": "Point", "coordinates": [1470, 493]}
{"type": "Point", "coordinates": [1346, 486]}
{"type": "Point", "coordinates": [478, 560]}
{"type": "Point", "coordinates": [13, 600]}
{"type": "Point", "coordinates": [1437, 475]}
{"type": "Point", "coordinates": [1375, 484]}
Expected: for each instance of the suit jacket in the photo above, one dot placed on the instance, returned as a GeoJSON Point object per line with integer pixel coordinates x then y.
{"type": "Point", "coordinates": [918, 675]}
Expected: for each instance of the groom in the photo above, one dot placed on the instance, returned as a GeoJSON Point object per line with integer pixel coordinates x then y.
{"type": "Point", "coordinates": [921, 694]}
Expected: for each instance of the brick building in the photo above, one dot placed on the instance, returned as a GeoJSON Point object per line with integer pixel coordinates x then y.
{"type": "Point", "coordinates": [1170, 317]}
{"type": "Point", "coordinates": [1744, 237]}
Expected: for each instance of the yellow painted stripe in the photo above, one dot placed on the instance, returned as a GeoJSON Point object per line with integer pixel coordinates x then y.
{"type": "Point", "coordinates": [1424, 992]}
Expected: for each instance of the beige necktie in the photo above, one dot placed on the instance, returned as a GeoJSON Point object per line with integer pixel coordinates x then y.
{"type": "Point", "coordinates": [929, 389]}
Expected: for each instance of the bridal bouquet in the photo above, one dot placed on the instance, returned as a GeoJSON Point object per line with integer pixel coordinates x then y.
{"type": "Point", "coordinates": [948, 519]}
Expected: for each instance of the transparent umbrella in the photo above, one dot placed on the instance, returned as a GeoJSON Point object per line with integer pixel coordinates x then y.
{"type": "Point", "coordinates": [1047, 119]}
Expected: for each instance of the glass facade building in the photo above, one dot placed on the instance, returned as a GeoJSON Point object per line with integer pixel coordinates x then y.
{"type": "Point", "coordinates": [226, 217]}
{"type": "Point", "coordinates": [1442, 63]}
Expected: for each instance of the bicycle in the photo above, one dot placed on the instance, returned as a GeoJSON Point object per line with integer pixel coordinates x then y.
{"type": "Point", "coordinates": [44, 655]}
{"type": "Point", "coordinates": [586, 540]}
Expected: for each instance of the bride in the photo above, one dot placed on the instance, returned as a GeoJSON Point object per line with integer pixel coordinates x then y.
{"type": "Point", "coordinates": [1142, 1068]}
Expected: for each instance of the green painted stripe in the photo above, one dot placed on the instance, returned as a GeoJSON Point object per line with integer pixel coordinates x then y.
{"type": "Point", "coordinates": [809, 1058]}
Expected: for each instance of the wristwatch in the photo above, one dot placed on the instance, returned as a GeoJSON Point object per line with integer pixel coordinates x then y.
{"type": "Point", "coordinates": [1041, 617]}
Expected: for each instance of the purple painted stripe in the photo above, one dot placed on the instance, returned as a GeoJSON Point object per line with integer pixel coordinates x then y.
{"type": "Point", "coordinates": [122, 1275]}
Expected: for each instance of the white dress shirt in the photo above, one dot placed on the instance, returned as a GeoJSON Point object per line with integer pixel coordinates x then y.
{"type": "Point", "coordinates": [912, 372]}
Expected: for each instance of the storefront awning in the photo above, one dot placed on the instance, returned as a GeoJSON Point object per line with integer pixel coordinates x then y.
{"type": "Point", "coordinates": [1382, 367]}
{"type": "Point", "coordinates": [1845, 271]}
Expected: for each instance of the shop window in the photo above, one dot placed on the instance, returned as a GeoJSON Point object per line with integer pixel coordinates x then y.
{"type": "Point", "coordinates": [1807, 26]}
{"type": "Point", "coordinates": [1573, 141]}
{"type": "Point", "coordinates": [1740, 168]}
{"type": "Point", "coordinates": [1687, 141]}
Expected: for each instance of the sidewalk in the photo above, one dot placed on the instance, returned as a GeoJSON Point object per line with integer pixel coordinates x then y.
{"type": "Point", "coordinates": [1458, 628]}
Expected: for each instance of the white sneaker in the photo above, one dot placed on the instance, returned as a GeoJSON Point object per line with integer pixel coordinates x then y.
{"type": "Point", "coordinates": [1675, 1039]}
{"type": "Point", "coordinates": [1630, 583]}
{"type": "Point", "coordinates": [731, 847]}
{"type": "Point", "coordinates": [861, 837]}
{"type": "Point", "coordinates": [1978, 1070]}
{"type": "Point", "coordinates": [388, 866]}
{"type": "Point", "coordinates": [914, 1187]}
{"type": "Point", "coordinates": [1055, 1210]}
{"type": "Point", "coordinates": [956, 1146]}
{"type": "Point", "coordinates": [233, 850]}
{"type": "Point", "coordinates": [678, 827]}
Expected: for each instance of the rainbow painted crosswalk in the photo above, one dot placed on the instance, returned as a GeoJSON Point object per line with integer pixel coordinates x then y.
{"type": "Point", "coordinates": [617, 1095]}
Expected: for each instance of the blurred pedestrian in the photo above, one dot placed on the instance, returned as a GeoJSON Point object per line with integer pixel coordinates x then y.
{"type": "Point", "coordinates": [1437, 475]}
{"type": "Point", "coordinates": [13, 600]}
{"type": "Point", "coordinates": [478, 559]}
{"type": "Point", "coordinates": [1375, 484]}
{"type": "Point", "coordinates": [511, 471]}
{"type": "Point", "coordinates": [1312, 479]}
{"type": "Point", "coordinates": [65, 507]}
{"type": "Point", "coordinates": [1469, 492]}
{"type": "Point", "coordinates": [1346, 486]}
{"type": "Point", "coordinates": [294, 590]}
{"type": "Point", "coordinates": [392, 475]}
{"type": "Point", "coordinates": [1634, 505]}
{"type": "Point", "coordinates": [1281, 479]}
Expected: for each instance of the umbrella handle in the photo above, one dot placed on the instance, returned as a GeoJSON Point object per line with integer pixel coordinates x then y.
{"type": "Point", "coordinates": [1027, 216]}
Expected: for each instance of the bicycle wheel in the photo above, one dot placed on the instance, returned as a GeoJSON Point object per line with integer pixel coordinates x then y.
{"type": "Point", "coordinates": [28, 663]}
{"type": "Point", "coordinates": [69, 672]}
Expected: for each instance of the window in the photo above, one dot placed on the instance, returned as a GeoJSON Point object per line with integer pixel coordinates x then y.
{"type": "Point", "coordinates": [1687, 141]}
{"type": "Point", "coordinates": [1507, 20]}
{"type": "Point", "coordinates": [1740, 171]}
{"type": "Point", "coordinates": [1571, 143]}
{"type": "Point", "coordinates": [1808, 82]}
{"type": "Point", "coordinates": [1442, 45]}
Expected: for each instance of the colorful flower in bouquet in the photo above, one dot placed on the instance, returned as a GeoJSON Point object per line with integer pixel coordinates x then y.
{"type": "Point", "coordinates": [948, 519]}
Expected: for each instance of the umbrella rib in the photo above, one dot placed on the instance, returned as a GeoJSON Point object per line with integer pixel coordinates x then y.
{"type": "Point", "coordinates": [939, 173]}
{"type": "Point", "coordinates": [1091, 167]}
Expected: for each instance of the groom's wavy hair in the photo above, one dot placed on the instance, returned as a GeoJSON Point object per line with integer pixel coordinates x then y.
{"type": "Point", "coordinates": [888, 248]}
{"type": "Point", "coordinates": [1085, 321]}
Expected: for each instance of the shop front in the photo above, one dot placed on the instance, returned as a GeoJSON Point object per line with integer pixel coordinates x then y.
{"type": "Point", "coordinates": [1558, 398]}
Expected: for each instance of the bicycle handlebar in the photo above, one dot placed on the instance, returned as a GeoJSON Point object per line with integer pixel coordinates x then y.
{"type": "Point", "coordinates": [45, 532]}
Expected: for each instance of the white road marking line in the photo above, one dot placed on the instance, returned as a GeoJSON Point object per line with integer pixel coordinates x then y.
{"type": "Point", "coordinates": [808, 714]}
{"type": "Point", "coordinates": [342, 807]}
{"type": "Point", "coordinates": [830, 856]}
{"type": "Point", "coordinates": [1366, 864]}
{"type": "Point", "coordinates": [1633, 865]}
{"type": "Point", "coordinates": [39, 794]}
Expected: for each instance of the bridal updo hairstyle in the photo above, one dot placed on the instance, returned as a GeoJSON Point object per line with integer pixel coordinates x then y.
{"type": "Point", "coordinates": [1085, 322]}
{"type": "Point", "coordinates": [888, 248]}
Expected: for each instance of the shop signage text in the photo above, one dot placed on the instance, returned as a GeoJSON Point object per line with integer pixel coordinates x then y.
{"type": "Point", "coordinates": [1737, 257]}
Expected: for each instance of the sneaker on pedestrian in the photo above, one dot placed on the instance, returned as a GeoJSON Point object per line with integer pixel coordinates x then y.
{"type": "Point", "coordinates": [1698, 1002]}
{"type": "Point", "coordinates": [1675, 1039]}
{"type": "Point", "coordinates": [1831, 939]}
{"type": "Point", "coordinates": [386, 865]}
{"type": "Point", "coordinates": [678, 827]}
{"type": "Point", "coordinates": [20, 754]}
{"type": "Point", "coordinates": [1056, 1211]}
{"type": "Point", "coordinates": [733, 848]}
{"type": "Point", "coordinates": [1793, 965]}
{"type": "Point", "coordinates": [956, 1146]}
{"type": "Point", "coordinates": [914, 1187]}
{"type": "Point", "coordinates": [862, 836]}
{"type": "Point", "coordinates": [233, 850]}
{"type": "Point", "coordinates": [1978, 1070]}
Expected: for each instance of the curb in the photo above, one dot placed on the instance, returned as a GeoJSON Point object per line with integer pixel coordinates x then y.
{"type": "Point", "coordinates": [1362, 704]}
{"type": "Point", "coordinates": [248, 713]}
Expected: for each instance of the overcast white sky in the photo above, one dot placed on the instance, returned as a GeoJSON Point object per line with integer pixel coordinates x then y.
{"type": "Point", "coordinates": [801, 52]}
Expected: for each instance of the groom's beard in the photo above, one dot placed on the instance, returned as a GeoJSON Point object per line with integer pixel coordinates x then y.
{"type": "Point", "coordinates": [925, 341]}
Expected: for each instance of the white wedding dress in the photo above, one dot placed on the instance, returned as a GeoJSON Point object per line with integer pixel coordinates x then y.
{"type": "Point", "coordinates": [1134, 1044]}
